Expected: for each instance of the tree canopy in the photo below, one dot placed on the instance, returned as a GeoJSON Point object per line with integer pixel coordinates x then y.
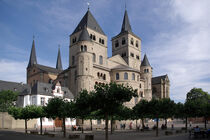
{"type": "Point", "coordinates": [7, 99]}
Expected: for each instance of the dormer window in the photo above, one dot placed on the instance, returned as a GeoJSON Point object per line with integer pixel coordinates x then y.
{"type": "Point", "coordinates": [116, 44]}
{"type": "Point", "coordinates": [123, 41]}
{"type": "Point", "coordinates": [58, 90]}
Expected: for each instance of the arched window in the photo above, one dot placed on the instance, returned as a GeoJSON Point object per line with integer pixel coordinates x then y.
{"type": "Point", "coordinates": [91, 36]}
{"type": "Point", "coordinates": [94, 37]}
{"type": "Point", "coordinates": [123, 41]}
{"type": "Point", "coordinates": [101, 60]}
{"type": "Point", "coordinates": [139, 85]}
{"type": "Point", "coordinates": [94, 57]}
{"type": "Point", "coordinates": [126, 76]}
{"type": "Point", "coordinates": [137, 44]}
{"type": "Point", "coordinates": [133, 76]}
{"type": "Point", "coordinates": [117, 76]}
{"type": "Point", "coordinates": [138, 78]}
{"type": "Point", "coordinates": [131, 41]}
{"type": "Point", "coordinates": [82, 49]}
{"type": "Point", "coordinates": [73, 60]}
{"type": "Point", "coordinates": [104, 77]}
{"type": "Point", "coordinates": [85, 48]}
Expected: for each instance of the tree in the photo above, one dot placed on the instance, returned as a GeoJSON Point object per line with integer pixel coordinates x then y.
{"type": "Point", "coordinates": [40, 113]}
{"type": "Point", "coordinates": [154, 107]}
{"type": "Point", "coordinates": [167, 109]}
{"type": "Point", "coordinates": [197, 94]}
{"type": "Point", "coordinates": [57, 107]}
{"type": "Point", "coordinates": [109, 97]}
{"type": "Point", "coordinates": [83, 106]}
{"type": "Point", "coordinates": [141, 110]}
{"type": "Point", "coordinates": [7, 99]}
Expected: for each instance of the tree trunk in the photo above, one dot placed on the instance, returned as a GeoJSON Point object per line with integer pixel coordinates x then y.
{"type": "Point", "coordinates": [157, 127]}
{"type": "Point", "coordinates": [205, 122]}
{"type": "Point", "coordinates": [82, 125]}
{"type": "Point", "coordinates": [186, 123]}
{"type": "Point", "coordinates": [166, 122]}
{"type": "Point", "coordinates": [106, 127]}
{"type": "Point", "coordinates": [26, 126]}
{"type": "Point", "coordinates": [91, 125]}
{"type": "Point", "coordinates": [136, 125]}
{"type": "Point", "coordinates": [111, 126]}
{"type": "Point", "coordinates": [64, 127]}
{"type": "Point", "coordinates": [142, 120]}
{"type": "Point", "coordinates": [41, 125]}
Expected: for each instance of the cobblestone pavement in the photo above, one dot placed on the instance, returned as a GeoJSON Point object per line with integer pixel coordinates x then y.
{"type": "Point", "coordinates": [120, 135]}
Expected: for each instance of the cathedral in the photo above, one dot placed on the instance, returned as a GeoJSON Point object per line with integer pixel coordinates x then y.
{"type": "Point", "coordinates": [90, 65]}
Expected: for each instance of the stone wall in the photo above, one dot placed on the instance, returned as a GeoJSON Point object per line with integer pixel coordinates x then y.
{"type": "Point", "coordinates": [8, 122]}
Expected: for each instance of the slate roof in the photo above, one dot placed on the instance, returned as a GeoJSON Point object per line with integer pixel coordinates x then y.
{"type": "Point", "coordinates": [126, 23]}
{"type": "Point", "coordinates": [48, 69]}
{"type": "Point", "coordinates": [89, 21]}
{"type": "Point", "coordinates": [124, 68]}
{"type": "Point", "coordinates": [84, 36]}
{"type": "Point", "coordinates": [38, 88]}
{"type": "Point", "coordinates": [32, 59]}
{"type": "Point", "coordinates": [145, 61]}
{"type": "Point", "coordinates": [59, 63]}
{"type": "Point", "coordinates": [21, 88]}
{"type": "Point", "coordinates": [157, 80]}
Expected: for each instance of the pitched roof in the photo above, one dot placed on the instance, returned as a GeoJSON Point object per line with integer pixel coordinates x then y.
{"type": "Point", "coordinates": [124, 68]}
{"type": "Point", "coordinates": [84, 36]}
{"type": "Point", "coordinates": [89, 21]}
{"type": "Point", "coordinates": [21, 88]}
{"type": "Point", "coordinates": [157, 80]}
{"type": "Point", "coordinates": [32, 59]}
{"type": "Point", "coordinates": [59, 63]}
{"type": "Point", "coordinates": [48, 69]}
{"type": "Point", "coordinates": [145, 61]}
{"type": "Point", "coordinates": [126, 24]}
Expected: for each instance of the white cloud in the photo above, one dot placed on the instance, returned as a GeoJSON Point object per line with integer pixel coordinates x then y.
{"type": "Point", "coordinates": [13, 70]}
{"type": "Point", "coordinates": [184, 53]}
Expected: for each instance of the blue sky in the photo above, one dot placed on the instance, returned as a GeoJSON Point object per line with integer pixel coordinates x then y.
{"type": "Point", "coordinates": [175, 35]}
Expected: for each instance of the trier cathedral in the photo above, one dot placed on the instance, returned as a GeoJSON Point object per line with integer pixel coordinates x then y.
{"type": "Point", "coordinates": [90, 65]}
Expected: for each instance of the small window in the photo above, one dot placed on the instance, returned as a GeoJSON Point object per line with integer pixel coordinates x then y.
{"type": "Point", "coordinates": [94, 37]}
{"type": "Point", "coordinates": [139, 85]}
{"type": "Point", "coordinates": [73, 60]}
{"type": "Point", "coordinates": [102, 41]}
{"type": "Point", "coordinates": [101, 60]}
{"type": "Point", "coordinates": [123, 54]}
{"type": "Point", "coordinates": [126, 76]}
{"type": "Point", "coordinates": [82, 49]}
{"type": "Point", "coordinates": [132, 55]}
{"type": "Point", "coordinates": [75, 76]}
{"type": "Point", "coordinates": [58, 90]}
{"type": "Point", "coordinates": [99, 40]}
{"type": "Point", "coordinates": [117, 76]}
{"type": "Point", "coordinates": [85, 48]}
{"type": "Point", "coordinates": [94, 57]}
{"type": "Point", "coordinates": [133, 76]}
{"type": "Point", "coordinates": [138, 78]}
{"type": "Point", "coordinates": [104, 77]}
{"type": "Point", "coordinates": [42, 101]}
{"type": "Point", "coordinates": [137, 57]}
{"type": "Point", "coordinates": [137, 44]}
{"type": "Point", "coordinates": [91, 36]}
{"type": "Point", "coordinates": [123, 41]}
{"type": "Point", "coordinates": [131, 41]}
{"type": "Point", "coordinates": [116, 44]}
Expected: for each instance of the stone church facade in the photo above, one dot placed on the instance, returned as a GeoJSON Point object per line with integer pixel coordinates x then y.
{"type": "Point", "coordinates": [90, 65]}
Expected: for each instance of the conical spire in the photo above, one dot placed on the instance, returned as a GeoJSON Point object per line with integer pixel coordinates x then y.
{"type": "Point", "coordinates": [32, 59]}
{"type": "Point", "coordinates": [84, 36]}
{"type": "Point", "coordinates": [126, 24]}
{"type": "Point", "coordinates": [59, 63]}
{"type": "Point", "coordinates": [89, 21]}
{"type": "Point", "coordinates": [145, 61]}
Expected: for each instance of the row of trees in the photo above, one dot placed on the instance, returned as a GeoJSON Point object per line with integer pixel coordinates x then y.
{"type": "Point", "coordinates": [107, 102]}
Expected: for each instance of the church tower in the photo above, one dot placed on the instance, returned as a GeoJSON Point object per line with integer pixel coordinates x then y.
{"type": "Point", "coordinates": [88, 49]}
{"type": "Point", "coordinates": [146, 74]}
{"type": "Point", "coordinates": [127, 44]}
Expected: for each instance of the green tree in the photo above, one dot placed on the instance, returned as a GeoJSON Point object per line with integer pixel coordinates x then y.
{"type": "Point", "coordinates": [7, 99]}
{"type": "Point", "coordinates": [40, 113]}
{"type": "Point", "coordinates": [141, 110]}
{"type": "Point", "coordinates": [83, 106]}
{"type": "Point", "coordinates": [198, 94]}
{"type": "Point", "coordinates": [109, 97]}
{"type": "Point", "coordinates": [167, 109]}
{"type": "Point", "coordinates": [57, 108]}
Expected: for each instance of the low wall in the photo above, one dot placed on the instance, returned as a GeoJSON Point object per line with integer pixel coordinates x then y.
{"type": "Point", "coordinates": [8, 122]}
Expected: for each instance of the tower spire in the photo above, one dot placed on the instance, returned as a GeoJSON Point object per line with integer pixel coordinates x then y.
{"type": "Point", "coordinates": [126, 24]}
{"type": "Point", "coordinates": [32, 59]}
{"type": "Point", "coordinates": [145, 61]}
{"type": "Point", "coordinates": [59, 64]}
